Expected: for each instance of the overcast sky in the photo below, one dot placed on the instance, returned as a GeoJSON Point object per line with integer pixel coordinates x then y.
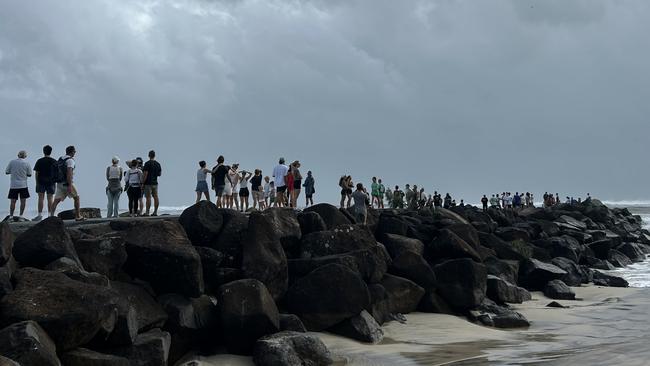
{"type": "Point", "coordinates": [468, 97]}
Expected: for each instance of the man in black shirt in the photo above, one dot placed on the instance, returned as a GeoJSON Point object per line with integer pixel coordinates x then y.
{"type": "Point", "coordinates": [256, 183]}
{"type": "Point", "coordinates": [45, 168]}
{"type": "Point", "coordinates": [219, 176]}
{"type": "Point", "coordinates": [152, 171]}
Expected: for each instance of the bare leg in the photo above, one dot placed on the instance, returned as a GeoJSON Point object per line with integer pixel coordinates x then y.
{"type": "Point", "coordinates": [342, 200]}
{"type": "Point", "coordinates": [41, 198]}
{"type": "Point", "coordinates": [76, 208]}
{"type": "Point", "coordinates": [23, 203]}
{"type": "Point", "coordinates": [156, 202]}
{"type": "Point", "coordinates": [148, 202]}
{"type": "Point", "coordinates": [207, 196]}
{"type": "Point", "coordinates": [198, 197]}
{"type": "Point", "coordinates": [50, 198]}
{"type": "Point", "coordinates": [12, 207]}
{"type": "Point", "coordinates": [54, 205]}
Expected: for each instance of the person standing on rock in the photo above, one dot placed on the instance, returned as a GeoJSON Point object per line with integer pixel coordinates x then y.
{"type": "Point", "coordinates": [267, 191]}
{"type": "Point", "coordinates": [65, 187]}
{"type": "Point", "coordinates": [485, 201]}
{"type": "Point", "coordinates": [233, 176]}
{"type": "Point", "coordinates": [44, 170]}
{"type": "Point", "coordinates": [256, 188]}
{"type": "Point", "coordinates": [19, 170]}
{"type": "Point", "coordinates": [389, 198]}
{"type": "Point", "coordinates": [244, 193]}
{"type": "Point", "coordinates": [374, 192]}
{"type": "Point", "coordinates": [152, 170]}
{"type": "Point", "coordinates": [280, 182]}
{"type": "Point", "coordinates": [134, 179]}
{"type": "Point", "coordinates": [202, 182]}
{"type": "Point", "coordinates": [309, 189]}
{"type": "Point", "coordinates": [219, 177]}
{"type": "Point", "coordinates": [297, 183]}
{"type": "Point", "coordinates": [494, 201]}
{"type": "Point", "coordinates": [114, 188]}
{"type": "Point", "coordinates": [382, 192]}
{"type": "Point", "coordinates": [360, 201]}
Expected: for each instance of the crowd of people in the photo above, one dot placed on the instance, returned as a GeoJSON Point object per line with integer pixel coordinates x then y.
{"type": "Point", "coordinates": [234, 188]}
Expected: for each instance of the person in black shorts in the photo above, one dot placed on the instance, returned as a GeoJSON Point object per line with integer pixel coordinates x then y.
{"type": "Point", "coordinates": [44, 170]}
{"type": "Point", "coordinates": [19, 170]}
{"type": "Point", "coordinates": [219, 174]}
{"type": "Point", "coordinates": [152, 170]}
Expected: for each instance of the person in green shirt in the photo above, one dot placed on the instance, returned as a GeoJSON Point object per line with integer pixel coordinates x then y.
{"type": "Point", "coordinates": [382, 191]}
{"type": "Point", "coordinates": [374, 192]}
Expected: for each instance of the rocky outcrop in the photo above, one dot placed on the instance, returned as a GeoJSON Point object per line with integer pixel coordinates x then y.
{"type": "Point", "coordinates": [462, 282]}
{"type": "Point", "coordinates": [403, 295]}
{"type": "Point", "coordinates": [44, 243]}
{"type": "Point", "coordinates": [6, 242]}
{"type": "Point", "coordinates": [558, 290]}
{"type": "Point", "coordinates": [291, 348]}
{"type": "Point", "coordinates": [331, 215]}
{"type": "Point", "coordinates": [362, 327]}
{"type": "Point", "coordinates": [27, 344]}
{"type": "Point", "coordinates": [534, 274]}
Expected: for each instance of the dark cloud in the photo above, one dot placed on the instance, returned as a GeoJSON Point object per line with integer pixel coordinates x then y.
{"type": "Point", "coordinates": [460, 96]}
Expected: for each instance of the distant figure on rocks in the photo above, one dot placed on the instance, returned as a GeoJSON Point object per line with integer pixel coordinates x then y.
{"type": "Point", "coordinates": [462, 203]}
{"type": "Point", "coordinates": [588, 199]}
{"type": "Point", "coordinates": [447, 201]}
{"type": "Point", "coordinates": [494, 202]}
{"type": "Point", "coordinates": [485, 201]}
{"type": "Point", "coordinates": [219, 178]}
{"type": "Point", "coordinates": [65, 182]}
{"type": "Point", "coordinates": [389, 197]}
{"type": "Point", "coordinates": [398, 198]}
{"type": "Point", "coordinates": [280, 182]}
{"type": "Point", "coordinates": [141, 199]}
{"type": "Point", "coordinates": [244, 193]}
{"type": "Point", "coordinates": [360, 201]}
{"type": "Point", "coordinates": [233, 176]}
{"type": "Point", "coordinates": [374, 193]}
{"type": "Point", "coordinates": [422, 198]}
{"type": "Point", "coordinates": [202, 182]}
{"type": "Point", "coordinates": [44, 170]}
{"type": "Point", "coordinates": [134, 180]}
{"type": "Point", "coordinates": [382, 191]}
{"type": "Point", "coordinates": [19, 170]}
{"type": "Point", "coordinates": [152, 170]}
{"type": "Point", "coordinates": [557, 199]}
{"type": "Point", "coordinates": [267, 190]}
{"type": "Point", "coordinates": [273, 195]}
{"type": "Point", "coordinates": [310, 189]}
{"type": "Point", "coordinates": [114, 175]}
{"type": "Point", "coordinates": [437, 200]}
{"type": "Point", "coordinates": [345, 182]}
{"type": "Point", "coordinates": [257, 192]}
{"type": "Point", "coordinates": [297, 183]}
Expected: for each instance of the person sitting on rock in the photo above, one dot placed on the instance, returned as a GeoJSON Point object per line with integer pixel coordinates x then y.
{"type": "Point", "coordinates": [360, 197]}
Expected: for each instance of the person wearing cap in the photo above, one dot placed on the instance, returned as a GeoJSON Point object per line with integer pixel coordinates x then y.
{"type": "Point", "coordinates": [19, 170]}
{"type": "Point", "coordinates": [66, 188]}
{"type": "Point", "coordinates": [114, 188]}
{"type": "Point", "coordinates": [280, 182]}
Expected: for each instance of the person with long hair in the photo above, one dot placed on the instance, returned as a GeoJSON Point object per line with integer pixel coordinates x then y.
{"type": "Point", "coordinates": [244, 193]}
{"type": "Point", "coordinates": [297, 183]}
{"type": "Point", "coordinates": [202, 182]}
{"type": "Point", "coordinates": [309, 189]}
{"type": "Point", "coordinates": [290, 187]}
{"type": "Point", "coordinates": [134, 179]}
{"type": "Point", "coordinates": [256, 188]}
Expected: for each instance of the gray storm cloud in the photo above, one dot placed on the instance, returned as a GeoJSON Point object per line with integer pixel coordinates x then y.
{"type": "Point", "coordinates": [468, 97]}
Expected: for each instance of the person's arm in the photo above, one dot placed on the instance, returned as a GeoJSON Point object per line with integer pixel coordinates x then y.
{"type": "Point", "coordinates": [108, 169]}
{"type": "Point", "coordinates": [8, 170]}
{"type": "Point", "coordinates": [69, 176]}
{"type": "Point", "coordinates": [29, 170]}
{"type": "Point", "coordinates": [144, 175]}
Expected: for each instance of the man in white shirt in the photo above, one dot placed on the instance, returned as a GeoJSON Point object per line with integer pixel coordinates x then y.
{"type": "Point", "coordinates": [280, 178]}
{"type": "Point", "coordinates": [66, 188]}
{"type": "Point", "coordinates": [20, 170]}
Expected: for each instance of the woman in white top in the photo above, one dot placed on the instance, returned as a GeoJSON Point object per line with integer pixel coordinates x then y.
{"type": "Point", "coordinates": [134, 178]}
{"type": "Point", "coordinates": [244, 193]}
{"type": "Point", "coordinates": [233, 174]}
{"type": "Point", "coordinates": [202, 182]}
{"type": "Point", "coordinates": [114, 187]}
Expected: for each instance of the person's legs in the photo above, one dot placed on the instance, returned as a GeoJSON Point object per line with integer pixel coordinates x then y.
{"type": "Point", "coordinates": [156, 201]}
{"type": "Point", "coordinates": [109, 207]}
{"type": "Point", "coordinates": [198, 196]}
{"type": "Point", "coordinates": [77, 213]}
{"type": "Point", "coordinates": [116, 204]}
{"type": "Point", "coordinates": [147, 195]}
{"type": "Point", "coordinates": [41, 199]}
{"type": "Point", "coordinates": [55, 203]}
{"type": "Point", "coordinates": [342, 200]}
{"type": "Point", "coordinates": [12, 207]}
{"type": "Point", "coordinates": [207, 195]}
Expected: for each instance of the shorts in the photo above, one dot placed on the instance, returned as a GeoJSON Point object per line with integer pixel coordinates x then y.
{"type": "Point", "coordinates": [48, 188]}
{"type": "Point", "coordinates": [16, 192]}
{"type": "Point", "coordinates": [243, 192]}
{"type": "Point", "coordinates": [219, 190]}
{"type": "Point", "coordinates": [258, 196]}
{"type": "Point", "coordinates": [281, 189]}
{"type": "Point", "coordinates": [296, 184]}
{"type": "Point", "coordinates": [151, 189]}
{"type": "Point", "coordinates": [202, 186]}
{"type": "Point", "coordinates": [63, 192]}
{"type": "Point", "coordinates": [227, 190]}
{"type": "Point", "coordinates": [346, 191]}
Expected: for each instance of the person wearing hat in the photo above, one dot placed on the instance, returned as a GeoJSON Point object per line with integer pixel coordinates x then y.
{"type": "Point", "coordinates": [280, 173]}
{"type": "Point", "coordinates": [114, 175]}
{"type": "Point", "coordinates": [19, 170]}
{"type": "Point", "coordinates": [297, 183]}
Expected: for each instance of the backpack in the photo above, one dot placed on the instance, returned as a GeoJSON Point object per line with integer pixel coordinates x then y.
{"type": "Point", "coordinates": [61, 171]}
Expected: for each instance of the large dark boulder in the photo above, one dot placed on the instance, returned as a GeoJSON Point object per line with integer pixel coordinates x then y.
{"type": "Point", "coordinates": [327, 296]}
{"type": "Point", "coordinates": [564, 246]}
{"type": "Point", "coordinates": [413, 267]}
{"type": "Point", "coordinates": [575, 276]}
{"type": "Point", "coordinates": [363, 328]}
{"type": "Point", "coordinates": [330, 215]}
{"type": "Point", "coordinates": [6, 287]}
{"type": "Point", "coordinates": [396, 244]}
{"type": "Point", "coordinates": [263, 257]}
{"type": "Point", "coordinates": [202, 223]}
{"type": "Point", "coordinates": [558, 290]}
{"type": "Point", "coordinates": [603, 279]}
{"type": "Point", "coordinates": [149, 313]}
{"type": "Point", "coordinates": [28, 344]}
{"type": "Point", "coordinates": [85, 212]}
{"type": "Point", "coordinates": [338, 241]}
{"type": "Point", "coordinates": [86, 357]}
{"type": "Point", "coordinates": [534, 274]}
{"type": "Point", "coordinates": [310, 222]}
{"type": "Point", "coordinates": [6, 242]}
{"type": "Point", "coordinates": [160, 253]}
{"type": "Point", "coordinates": [502, 291]}
{"type": "Point", "coordinates": [568, 222]}
{"type": "Point", "coordinates": [462, 282]}
{"type": "Point", "coordinates": [379, 303]}
{"type": "Point", "coordinates": [303, 266]}
{"type": "Point", "coordinates": [43, 243]}
{"type": "Point", "coordinates": [512, 234]}
{"type": "Point", "coordinates": [291, 322]}
{"type": "Point", "coordinates": [493, 315]}
{"type": "Point", "coordinates": [618, 259]}
{"type": "Point", "coordinates": [508, 270]}
{"type": "Point", "coordinates": [231, 236]}
{"type": "Point", "coordinates": [601, 248]}
{"type": "Point", "coordinates": [105, 255]}
{"type": "Point", "coordinates": [516, 250]}
{"type": "Point", "coordinates": [390, 223]}
{"type": "Point", "coordinates": [149, 349]}
{"type": "Point", "coordinates": [403, 295]}
{"type": "Point", "coordinates": [248, 312]}
{"type": "Point", "coordinates": [432, 302]}
{"type": "Point", "coordinates": [285, 226]}
{"type": "Point", "coordinates": [466, 232]}
{"type": "Point", "coordinates": [71, 312]}
{"type": "Point", "coordinates": [448, 245]}
{"type": "Point", "coordinates": [633, 251]}
{"type": "Point", "coordinates": [74, 271]}
{"type": "Point", "coordinates": [291, 348]}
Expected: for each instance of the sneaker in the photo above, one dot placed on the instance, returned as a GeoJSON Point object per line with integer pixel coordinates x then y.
{"type": "Point", "coordinates": [9, 218]}
{"type": "Point", "coordinates": [38, 218]}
